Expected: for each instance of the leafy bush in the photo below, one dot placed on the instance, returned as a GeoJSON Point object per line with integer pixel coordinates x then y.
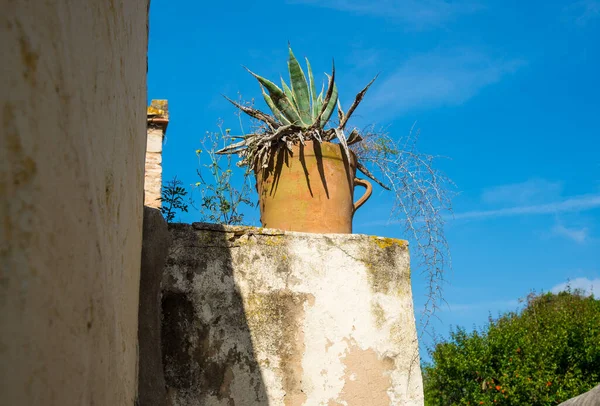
{"type": "Point", "coordinates": [172, 196]}
{"type": "Point", "coordinates": [545, 354]}
{"type": "Point", "coordinates": [221, 200]}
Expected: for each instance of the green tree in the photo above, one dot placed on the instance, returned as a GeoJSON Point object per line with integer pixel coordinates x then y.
{"type": "Point", "coordinates": [172, 196]}
{"type": "Point", "coordinates": [543, 355]}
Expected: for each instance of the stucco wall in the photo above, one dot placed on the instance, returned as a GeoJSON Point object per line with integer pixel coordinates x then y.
{"type": "Point", "coordinates": [263, 317]}
{"type": "Point", "coordinates": [72, 142]}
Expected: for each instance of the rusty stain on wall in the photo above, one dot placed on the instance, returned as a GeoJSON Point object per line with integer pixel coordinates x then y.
{"type": "Point", "coordinates": [367, 378]}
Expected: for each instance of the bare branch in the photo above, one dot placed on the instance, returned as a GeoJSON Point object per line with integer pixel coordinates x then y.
{"type": "Point", "coordinates": [422, 198]}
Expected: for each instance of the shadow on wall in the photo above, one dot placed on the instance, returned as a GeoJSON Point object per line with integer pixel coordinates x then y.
{"type": "Point", "coordinates": [208, 355]}
{"type": "Point", "coordinates": [155, 249]}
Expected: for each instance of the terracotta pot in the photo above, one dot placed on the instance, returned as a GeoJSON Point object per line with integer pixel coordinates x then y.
{"type": "Point", "coordinates": [310, 189]}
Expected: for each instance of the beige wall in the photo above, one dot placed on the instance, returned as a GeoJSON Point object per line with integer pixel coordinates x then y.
{"type": "Point", "coordinates": [153, 172]}
{"type": "Point", "coordinates": [254, 316]}
{"type": "Point", "coordinates": [72, 142]}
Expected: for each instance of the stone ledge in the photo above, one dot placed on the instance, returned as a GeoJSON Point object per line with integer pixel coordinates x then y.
{"type": "Point", "coordinates": [251, 230]}
{"type": "Point", "coordinates": [158, 114]}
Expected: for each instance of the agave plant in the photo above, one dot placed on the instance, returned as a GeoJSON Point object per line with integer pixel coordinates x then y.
{"type": "Point", "coordinates": [299, 114]}
{"type": "Point", "coordinates": [421, 193]}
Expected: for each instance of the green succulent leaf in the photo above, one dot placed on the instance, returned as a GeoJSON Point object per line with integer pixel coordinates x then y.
{"type": "Point", "coordinates": [289, 94]}
{"type": "Point", "coordinates": [318, 123]}
{"type": "Point", "coordinates": [279, 99]}
{"type": "Point", "coordinates": [274, 109]}
{"type": "Point", "coordinates": [299, 88]}
{"type": "Point", "coordinates": [315, 108]}
{"type": "Point", "coordinates": [331, 104]}
{"type": "Point", "coordinates": [321, 94]}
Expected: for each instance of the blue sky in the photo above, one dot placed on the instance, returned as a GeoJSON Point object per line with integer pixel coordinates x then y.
{"type": "Point", "coordinates": [509, 91]}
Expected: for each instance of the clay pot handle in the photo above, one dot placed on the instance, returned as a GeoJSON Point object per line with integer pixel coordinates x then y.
{"type": "Point", "coordinates": [367, 185]}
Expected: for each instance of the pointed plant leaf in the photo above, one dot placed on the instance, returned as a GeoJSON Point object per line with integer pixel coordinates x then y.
{"type": "Point", "coordinates": [279, 98]}
{"type": "Point", "coordinates": [259, 115]}
{"type": "Point", "coordinates": [339, 133]}
{"type": "Point", "coordinates": [340, 111]}
{"type": "Point", "coordinates": [313, 92]}
{"type": "Point", "coordinates": [288, 93]}
{"type": "Point", "coordinates": [357, 101]}
{"type": "Point", "coordinates": [354, 137]}
{"type": "Point", "coordinates": [324, 106]}
{"type": "Point", "coordinates": [318, 106]}
{"type": "Point", "coordinates": [329, 134]}
{"type": "Point", "coordinates": [364, 170]}
{"type": "Point", "coordinates": [274, 109]}
{"type": "Point", "coordinates": [330, 106]}
{"type": "Point", "coordinates": [232, 148]}
{"type": "Point", "coordinates": [299, 88]}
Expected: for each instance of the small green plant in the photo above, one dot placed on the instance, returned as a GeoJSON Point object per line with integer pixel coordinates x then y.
{"type": "Point", "coordinates": [220, 200]}
{"type": "Point", "coordinates": [172, 199]}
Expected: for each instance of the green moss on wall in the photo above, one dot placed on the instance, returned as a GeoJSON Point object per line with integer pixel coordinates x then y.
{"type": "Point", "coordinates": [378, 313]}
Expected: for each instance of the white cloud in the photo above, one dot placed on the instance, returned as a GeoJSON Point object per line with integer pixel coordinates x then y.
{"type": "Point", "coordinates": [531, 191]}
{"type": "Point", "coordinates": [436, 79]}
{"type": "Point", "coordinates": [575, 204]}
{"type": "Point", "coordinates": [576, 234]}
{"type": "Point", "coordinates": [417, 13]}
{"type": "Point", "coordinates": [535, 196]}
{"type": "Point", "coordinates": [493, 305]}
{"type": "Point", "coordinates": [583, 12]}
{"type": "Point", "coordinates": [572, 204]}
{"type": "Point", "coordinates": [588, 286]}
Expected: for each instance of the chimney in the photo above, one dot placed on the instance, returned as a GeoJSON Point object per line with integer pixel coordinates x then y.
{"type": "Point", "coordinates": [158, 119]}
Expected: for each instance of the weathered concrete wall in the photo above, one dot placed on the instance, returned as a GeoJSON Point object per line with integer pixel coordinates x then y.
{"type": "Point", "coordinates": [589, 398]}
{"type": "Point", "coordinates": [72, 143]}
{"type": "Point", "coordinates": [262, 317]}
{"type": "Point", "coordinates": [158, 120]}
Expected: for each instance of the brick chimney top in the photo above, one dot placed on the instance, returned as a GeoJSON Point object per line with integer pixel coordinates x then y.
{"type": "Point", "coordinates": [158, 114]}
